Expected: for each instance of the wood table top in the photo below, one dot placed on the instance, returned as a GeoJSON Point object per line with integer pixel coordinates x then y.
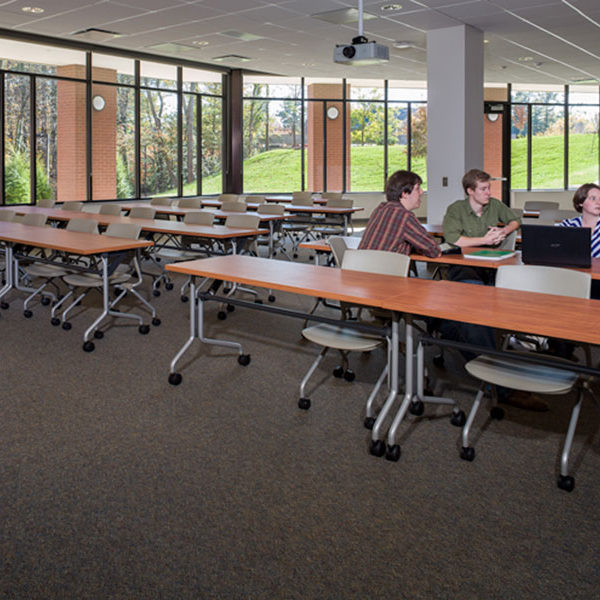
{"type": "Point", "coordinates": [564, 317]}
{"type": "Point", "coordinates": [66, 241]}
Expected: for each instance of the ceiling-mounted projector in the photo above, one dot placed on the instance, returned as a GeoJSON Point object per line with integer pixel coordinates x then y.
{"type": "Point", "coordinates": [361, 52]}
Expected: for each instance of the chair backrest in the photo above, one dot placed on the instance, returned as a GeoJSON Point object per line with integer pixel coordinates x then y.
{"type": "Point", "coordinates": [72, 205]}
{"type": "Point", "coordinates": [539, 205]}
{"type": "Point", "coordinates": [338, 248]}
{"type": "Point", "coordinates": [246, 220]}
{"type": "Point", "coordinates": [376, 261]}
{"type": "Point", "coordinates": [255, 199]}
{"type": "Point", "coordinates": [509, 241]}
{"type": "Point", "coordinates": [91, 208]}
{"type": "Point", "coordinates": [161, 201]}
{"type": "Point", "coordinates": [35, 219]}
{"type": "Point", "coordinates": [124, 230]}
{"type": "Point", "coordinates": [340, 203]}
{"type": "Point", "coordinates": [545, 280]}
{"type": "Point", "coordinates": [190, 203]}
{"type": "Point", "coordinates": [271, 208]}
{"type": "Point", "coordinates": [302, 198]}
{"type": "Point", "coordinates": [203, 217]}
{"type": "Point", "coordinates": [82, 225]}
{"type": "Point", "coordinates": [7, 215]}
{"type": "Point", "coordinates": [142, 212]}
{"type": "Point", "coordinates": [229, 198]}
{"type": "Point", "coordinates": [331, 195]}
{"type": "Point", "coordinates": [110, 209]}
{"type": "Point", "coordinates": [234, 206]}
{"type": "Point", "coordinates": [46, 202]}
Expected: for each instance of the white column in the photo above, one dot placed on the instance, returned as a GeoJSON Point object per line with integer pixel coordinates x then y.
{"type": "Point", "coordinates": [454, 113]}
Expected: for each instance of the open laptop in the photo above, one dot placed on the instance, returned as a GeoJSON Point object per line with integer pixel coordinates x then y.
{"type": "Point", "coordinates": [556, 246]}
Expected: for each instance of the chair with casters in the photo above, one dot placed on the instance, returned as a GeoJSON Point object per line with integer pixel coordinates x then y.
{"type": "Point", "coordinates": [189, 203]}
{"type": "Point", "coordinates": [46, 202]}
{"type": "Point", "coordinates": [346, 339]}
{"type": "Point", "coordinates": [8, 216]}
{"type": "Point", "coordinates": [518, 374]}
{"type": "Point", "coordinates": [331, 196]}
{"type": "Point", "coordinates": [142, 212]}
{"type": "Point", "coordinates": [161, 201]}
{"type": "Point", "coordinates": [297, 227]}
{"type": "Point", "coordinates": [234, 206]}
{"type": "Point", "coordinates": [229, 198]}
{"type": "Point", "coordinates": [74, 206]}
{"type": "Point", "coordinates": [110, 209]}
{"type": "Point", "coordinates": [274, 239]}
{"type": "Point", "coordinates": [302, 198]}
{"type": "Point", "coordinates": [547, 212]}
{"type": "Point", "coordinates": [91, 208]}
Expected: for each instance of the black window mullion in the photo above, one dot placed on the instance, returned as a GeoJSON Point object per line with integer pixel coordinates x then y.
{"type": "Point", "coordinates": [566, 139]}
{"type": "Point", "coordinates": [409, 136]}
{"type": "Point", "coordinates": [32, 140]}
{"type": "Point", "coordinates": [302, 133]}
{"type": "Point", "coordinates": [180, 131]}
{"type": "Point", "coordinates": [344, 140]}
{"type": "Point", "coordinates": [198, 145]}
{"type": "Point", "coordinates": [2, 146]}
{"type": "Point", "coordinates": [529, 145]}
{"type": "Point", "coordinates": [324, 111]}
{"type": "Point", "coordinates": [137, 132]}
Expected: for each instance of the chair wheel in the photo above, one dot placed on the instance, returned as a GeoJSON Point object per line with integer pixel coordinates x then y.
{"type": "Point", "coordinates": [458, 418]}
{"type": "Point", "coordinates": [377, 448]}
{"type": "Point", "coordinates": [184, 298]}
{"type": "Point", "coordinates": [144, 329]}
{"type": "Point", "coordinates": [45, 300]}
{"type": "Point", "coordinates": [338, 372]}
{"type": "Point", "coordinates": [98, 334]}
{"type": "Point", "coordinates": [156, 293]}
{"type": "Point", "coordinates": [88, 346]}
{"type": "Point", "coordinates": [4, 305]}
{"type": "Point", "coordinates": [393, 453]}
{"type": "Point", "coordinates": [295, 255]}
{"type": "Point", "coordinates": [221, 315]}
{"type": "Point", "coordinates": [467, 453]}
{"type": "Point", "coordinates": [55, 321]}
{"type": "Point", "coordinates": [497, 413]}
{"type": "Point", "coordinates": [304, 403]}
{"type": "Point", "coordinates": [156, 321]}
{"type": "Point", "coordinates": [244, 360]}
{"type": "Point", "coordinates": [27, 314]}
{"type": "Point", "coordinates": [168, 286]}
{"type": "Point", "coordinates": [230, 308]}
{"type": "Point", "coordinates": [175, 378]}
{"type": "Point", "coordinates": [417, 408]}
{"type": "Point", "coordinates": [226, 290]}
{"type": "Point", "coordinates": [369, 422]}
{"type": "Point", "coordinates": [566, 482]}
{"type": "Point", "coordinates": [66, 325]}
{"type": "Point", "coordinates": [271, 298]}
{"type": "Point", "coordinates": [349, 375]}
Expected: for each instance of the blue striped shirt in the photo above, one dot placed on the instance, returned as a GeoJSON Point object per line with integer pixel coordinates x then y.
{"type": "Point", "coordinates": [576, 222]}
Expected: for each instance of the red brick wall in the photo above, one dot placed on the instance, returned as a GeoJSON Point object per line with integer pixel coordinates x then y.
{"type": "Point", "coordinates": [492, 152]}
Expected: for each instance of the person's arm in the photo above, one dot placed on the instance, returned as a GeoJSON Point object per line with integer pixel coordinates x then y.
{"type": "Point", "coordinates": [418, 237]}
{"type": "Point", "coordinates": [453, 231]}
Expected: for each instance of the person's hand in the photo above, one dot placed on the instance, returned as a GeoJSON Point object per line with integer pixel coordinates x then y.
{"type": "Point", "coordinates": [494, 236]}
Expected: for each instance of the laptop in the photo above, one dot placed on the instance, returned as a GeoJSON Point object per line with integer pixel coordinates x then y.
{"type": "Point", "coordinates": [556, 246]}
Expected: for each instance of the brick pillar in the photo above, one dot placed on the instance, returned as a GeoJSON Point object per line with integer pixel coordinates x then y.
{"type": "Point", "coordinates": [71, 136]}
{"type": "Point", "coordinates": [492, 140]}
{"type": "Point", "coordinates": [335, 148]}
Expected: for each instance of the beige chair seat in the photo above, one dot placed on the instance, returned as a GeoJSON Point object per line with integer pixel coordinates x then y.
{"type": "Point", "coordinates": [93, 279]}
{"type": "Point", "coordinates": [44, 270]}
{"type": "Point", "coordinates": [341, 338]}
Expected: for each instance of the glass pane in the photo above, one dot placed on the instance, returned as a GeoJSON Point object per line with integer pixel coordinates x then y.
{"type": "Point", "coordinates": [583, 145]}
{"type": "Point", "coordinates": [547, 94]}
{"type": "Point", "coordinates": [190, 173]}
{"type": "Point", "coordinates": [106, 66]}
{"type": "Point", "coordinates": [366, 150]}
{"type": "Point", "coordinates": [195, 80]}
{"type": "Point", "coordinates": [272, 87]}
{"type": "Point", "coordinates": [398, 90]}
{"type": "Point", "coordinates": [518, 145]}
{"type": "Point", "coordinates": [158, 120]}
{"type": "Point", "coordinates": [547, 147]}
{"type": "Point", "coordinates": [366, 89]}
{"type": "Point", "coordinates": [397, 136]}
{"type": "Point", "coordinates": [17, 139]}
{"type": "Point", "coordinates": [212, 138]}
{"type": "Point", "coordinates": [158, 75]}
{"type": "Point", "coordinates": [125, 120]}
{"type": "Point", "coordinates": [418, 162]}
{"type": "Point", "coordinates": [46, 139]}
{"type": "Point", "coordinates": [36, 58]}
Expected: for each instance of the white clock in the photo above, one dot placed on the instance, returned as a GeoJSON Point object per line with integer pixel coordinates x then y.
{"type": "Point", "coordinates": [332, 112]}
{"type": "Point", "coordinates": [98, 103]}
{"type": "Point", "coordinates": [492, 117]}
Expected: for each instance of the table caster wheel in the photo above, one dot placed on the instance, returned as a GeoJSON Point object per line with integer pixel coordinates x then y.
{"type": "Point", "coordinates": [144, 329]}
{"type": "Point", "coordinates": [565, 482]}
{"type": "Point", "coordinates": [458, 418]}
{"type": "Point", "coordinates": [338, 372]}
{"type": "Point", "coordinates": [66, 325]}
{"type": "Point", "coordinates": [4, 305]}
{"type": "Point", "coordinates": [156, 321]}
{"type": "Point", "coordinates": [349, 375]}
{"type": "Point", "coordinates": [467, 453]}
{"type": "Point", "coordinates": [55, 321]}
{"type": "Point", "coordinates": [27, 314]}
{"type": "Point", "coordinates": [221, 315]}
{"type": "Point", "coordinates": [175, 378]}
{"type": "Point", "coordinates": [271, 298]}
{"type": "Point", "coordinates": [369, 422]}
{"type": "Point", "coordinates": [88, 346]}
{"type": "Point", "coordinates": [98, 334]}
{"type": "Point", "coordinates": [377, 448]}
{"type": "Point", "coordinates": [184, 298]}
{"type": "Point", "coordinates": [497, 413]}
{"type": "Point", "coordinates": [417, 408]}
{"type": "Point", "coordinates": [156, 293]}
{"type": "Point", "coordinates": [244, 360]}
{"type": "Point", "coordinates": [304, 403]}
{"type": "Point", "coordinates": [168, 286]}
{"type": "Point", "coordinates": [45, 300]}
{"type": "Point", "coordinates": [393, 453]}
{"type": "Point", "coordinates": [230, 308]}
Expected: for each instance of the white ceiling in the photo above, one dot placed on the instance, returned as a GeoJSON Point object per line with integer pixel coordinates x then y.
{"type": "Point", "coordinates": [528, 41]}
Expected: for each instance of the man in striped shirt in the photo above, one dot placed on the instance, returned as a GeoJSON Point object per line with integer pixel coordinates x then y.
{"type": "Point", "coordinates": [393, 226]}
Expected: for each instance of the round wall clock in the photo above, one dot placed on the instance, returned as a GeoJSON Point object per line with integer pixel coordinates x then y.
{"type": "Point", "coordinates": [332, 112]}
{"type": "Point", "coordinates": [98, 103]}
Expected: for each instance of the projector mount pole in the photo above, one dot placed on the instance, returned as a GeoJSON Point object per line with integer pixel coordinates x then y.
{"type": "Point", "coordinates": [360, 39]}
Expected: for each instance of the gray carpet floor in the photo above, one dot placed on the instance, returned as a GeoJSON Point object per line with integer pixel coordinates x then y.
{"type": "Point", "coordinates": [115, 484]}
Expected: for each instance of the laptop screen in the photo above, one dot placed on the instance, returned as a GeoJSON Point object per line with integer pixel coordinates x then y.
{"type": "Point", "coordinates": [556, 246]}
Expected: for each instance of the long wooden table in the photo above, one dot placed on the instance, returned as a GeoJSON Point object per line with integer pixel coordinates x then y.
{"type": "Point", "coordinates": [71, 242]}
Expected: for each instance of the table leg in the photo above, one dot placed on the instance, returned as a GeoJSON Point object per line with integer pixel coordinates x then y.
{"type": "Point", "coordinates": [8, 270]}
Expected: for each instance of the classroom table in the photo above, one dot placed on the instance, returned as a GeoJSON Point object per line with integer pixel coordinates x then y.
{"type": "Point", "coordinates": [71, 242]}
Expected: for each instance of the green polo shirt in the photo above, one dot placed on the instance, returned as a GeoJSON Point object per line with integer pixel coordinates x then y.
{"type": "Point", "coordinates": [460, 219]}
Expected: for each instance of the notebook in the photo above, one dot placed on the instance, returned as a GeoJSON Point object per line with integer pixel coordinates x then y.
{"type": "Point", "coordinates": [556, 246]}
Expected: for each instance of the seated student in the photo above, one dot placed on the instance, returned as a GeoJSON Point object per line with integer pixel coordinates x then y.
{"type": "Point", "coordinates": [478, 220]}
{"type": "Point", "coordinates": [393, 226]}
{"type": "Point", "coordinates": [587, 202]}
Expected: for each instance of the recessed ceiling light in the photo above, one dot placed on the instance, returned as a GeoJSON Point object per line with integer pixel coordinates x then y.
{"type": "Point", "coordinates": [36, 10]}
{"type": "Point", "coordinates": [200, 43]}
{"type": "Point", "coordinates": [230, 57]}
{"type": "Point", "coordinates": [401, 45]}
{"type": "Point", "coordinates": [525, 58]}
{"type": "Point", "coordinates": [388, 7]}
{"type": "Point", "coordinates": [486, 41]}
